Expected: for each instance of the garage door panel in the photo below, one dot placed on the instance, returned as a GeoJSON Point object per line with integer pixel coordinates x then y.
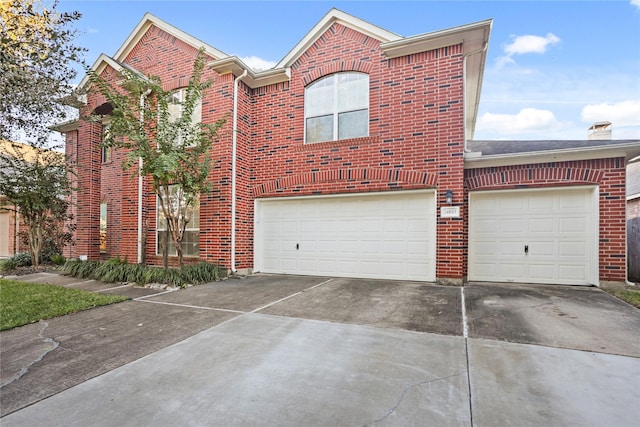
{"type": "Point", "coordinates": [573, 224]}
{"type": "Point", "coordinates": [558, 226]}
{"type": "Point", "coordinates": [377, 235]}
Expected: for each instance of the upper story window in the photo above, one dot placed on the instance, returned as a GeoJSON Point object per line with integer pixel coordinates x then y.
{"type": "Point", "coordinates": [106, 151]}
{"type": "Point", "coordinates": [175, 108]}
{"type": "Point", "coordinates": [337, 107]}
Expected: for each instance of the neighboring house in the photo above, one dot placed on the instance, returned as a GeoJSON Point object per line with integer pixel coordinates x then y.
{"type": "Point", "coordinates": [354, 156]}
{"type": "Point", "coordinates": [633, 220]}
{"type": "Point", "coordinates": [10, 222]}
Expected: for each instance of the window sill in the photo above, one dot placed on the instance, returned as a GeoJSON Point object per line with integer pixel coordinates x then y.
{"type": "Point", "coordinates": [365, 140]}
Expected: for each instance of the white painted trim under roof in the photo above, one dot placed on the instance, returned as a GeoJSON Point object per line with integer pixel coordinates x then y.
{"type": "Point", "coordinates": [98, 67]}
{"type": "Point", "coordinates": [147, 21]}
{"type": "Point", "coordinates": [333, 16]}
{"type": "Point", "coordinates": [627, 149]}
{"type": "Point", "coordinates": [234, 65]}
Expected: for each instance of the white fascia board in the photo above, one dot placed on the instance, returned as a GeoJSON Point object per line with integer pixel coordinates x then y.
{"type": "Point", "coordinates": [333, 16]}
{"type": "Point", "coordinates": [472, 35]}
{"type": "Point", "coordinates": [101, 63]}
{"type": "Point", "coordinates": [627, 150]}
{"type": "Point", "coordinates": [474, 38]}
{"type": "Point", "coordinates": [147, 21]}
{"type": "Point", "coordinates": [254, 79]}
{"type": "Point", "coordinates": [67, 126]}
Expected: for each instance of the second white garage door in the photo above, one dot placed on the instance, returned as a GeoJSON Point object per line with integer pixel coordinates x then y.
{"type": "Point", "coordinates": [534, 236]}
{"type": "Point", "coordinates": [381, 235]}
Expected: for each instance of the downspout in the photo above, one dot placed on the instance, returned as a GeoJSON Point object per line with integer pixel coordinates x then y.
{"type": "Point", "coordinates": [234, 149]}
{"type": "Point", "coordinates": [484, 47]}
{"type": "Point", "coordinates": [140, 182]}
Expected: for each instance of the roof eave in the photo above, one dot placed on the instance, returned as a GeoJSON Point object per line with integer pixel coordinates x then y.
{"type": "Point", "coordinates": [476, 160]}
{"type": "Point", "coordinates": [475, 40]}
{"type": "Point", "coordinates": [68, 126]}
{"type": "Point", "coordinates": [254, 79]}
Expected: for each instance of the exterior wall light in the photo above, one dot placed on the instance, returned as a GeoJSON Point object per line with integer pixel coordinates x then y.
{"type": "Point", "coordinates": [449, 197]}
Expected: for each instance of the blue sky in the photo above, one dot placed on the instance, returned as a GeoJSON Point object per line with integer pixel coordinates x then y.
{"type": "Point", "coordinates": [553, 67]}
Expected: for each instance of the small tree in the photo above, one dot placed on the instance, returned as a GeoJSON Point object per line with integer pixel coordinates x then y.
{"type": "Point", "coordinates": [36, 185]}
{"type": "Point", "coordinates": [36, 77]}
{"type": "Point", "coordinates": [157, 127]}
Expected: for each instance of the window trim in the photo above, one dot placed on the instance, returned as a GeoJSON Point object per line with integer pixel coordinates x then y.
{"type": "Point", "coordinates": [335, 113]}
{"type": "Point", "coordinates": [107, 153]}
{"type": "Point", "coordinates": [162, 228]}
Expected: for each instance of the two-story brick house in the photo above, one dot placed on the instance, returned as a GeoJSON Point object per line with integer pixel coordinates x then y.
{"type": "Point", "coordinates": [354, 156]}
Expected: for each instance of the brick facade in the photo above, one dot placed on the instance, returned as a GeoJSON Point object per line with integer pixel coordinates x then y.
{"type": "Point", "coordinates": [416, 141]}
{"type": "Point", "coordinates": [607, 174]}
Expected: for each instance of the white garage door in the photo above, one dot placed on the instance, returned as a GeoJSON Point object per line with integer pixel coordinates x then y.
{"type": "Point", "coordinates": [382, 236]}
{"type": "Point", "coordinates": [534, 236]}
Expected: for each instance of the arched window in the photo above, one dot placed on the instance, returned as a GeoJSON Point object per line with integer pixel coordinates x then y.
{"type": "Point", "coordinates": [337, 107]}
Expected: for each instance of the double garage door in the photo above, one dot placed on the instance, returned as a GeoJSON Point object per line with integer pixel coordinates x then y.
{"type": "Point", "coordinates": [380, 235]}
{"type": "Point", "coordinates": [529, 236]}
{"type": "Point", "coordinates": [534, 236]}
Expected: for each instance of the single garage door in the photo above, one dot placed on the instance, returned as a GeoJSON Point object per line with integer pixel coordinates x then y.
{"type": "Point", "coordinates": [380, 235]}
{"type": "Point", "coordinates": [534, 236]}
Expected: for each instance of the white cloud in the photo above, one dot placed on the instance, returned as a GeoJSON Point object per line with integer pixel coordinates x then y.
{"type": "Point", "coordinates": [530, 44]}
{"type": "Point", "coordinates": [526, 44]}
{"type": "Point", "coordinates": [526, 121]}
{"type": "Point", "coordinates": [625, 113]}
{"type": "Point", "coordinates": [258, 63]}
{"type": "Point", "coordinates": [635, 3]}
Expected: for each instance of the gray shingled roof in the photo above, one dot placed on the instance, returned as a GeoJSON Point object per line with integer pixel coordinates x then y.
{"type": "Point", "coordinates": [506, 148]}
{"type": "Point", "coordinates": [490, 148]}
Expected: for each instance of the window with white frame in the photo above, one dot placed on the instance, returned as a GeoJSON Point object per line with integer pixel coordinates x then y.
{"type": "Point", "coordinates": [190, 215]}
{"type": "Point", "coordinates": [337, 107]}
{"type": "Point", "coordinates": [106, 151]}
{"type": "Point", "coordinates": [175, 108]}
{"type": "Point", "coordinates": [103, 227]}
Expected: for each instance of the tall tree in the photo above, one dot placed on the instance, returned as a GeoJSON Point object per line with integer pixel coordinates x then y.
{"type": "Point", "coordinates": [163, 129]}
{"type": "Point", "coordinates": [36, 185]}
{"type": "Point", "coordinates": [36, 68]}
{"type": "Point", "coordinates": [37, 56]}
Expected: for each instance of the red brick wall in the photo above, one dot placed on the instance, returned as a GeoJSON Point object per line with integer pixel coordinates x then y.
{"type": "Point", "coordinates": [608, 174]}
{"type": "Point", "coordinates": [415, 127]}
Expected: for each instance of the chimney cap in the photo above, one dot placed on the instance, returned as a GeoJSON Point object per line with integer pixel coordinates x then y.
{"type": "Point", "coordinates": [599, 125]}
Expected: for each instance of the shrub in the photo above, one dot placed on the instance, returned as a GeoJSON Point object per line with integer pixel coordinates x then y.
{"type": "Point", "coordinates": [201, 272]}
{"type": "Point", "coordinates": [8, 264]}
{"type": "Point", "coordinates": [80, 269]}
{"type": "Point", "coordinates": [58, 259]}
{"type": "Point", "coordinates": [117, 270]}
{"type": "Point", "coordinates": [22, 259]}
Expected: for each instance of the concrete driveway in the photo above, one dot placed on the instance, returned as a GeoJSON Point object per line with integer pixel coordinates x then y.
{"type": "Point", "coordinates": [290, 350]}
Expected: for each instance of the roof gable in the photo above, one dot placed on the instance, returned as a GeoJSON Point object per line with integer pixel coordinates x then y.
{"type": "Point", "coordinates": [149, 20]}
{"type": "Point", "coordinates": [333, 16]}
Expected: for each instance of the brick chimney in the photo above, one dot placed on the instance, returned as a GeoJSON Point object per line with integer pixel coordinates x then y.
{"type": "Point", "coordinates": [600, 130]}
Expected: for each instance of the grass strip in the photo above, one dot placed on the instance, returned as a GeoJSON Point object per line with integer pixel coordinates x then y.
{"type": "Point", "coordinates": [22, 303]}
{"type": "Point", "coordinates": [632, 296]}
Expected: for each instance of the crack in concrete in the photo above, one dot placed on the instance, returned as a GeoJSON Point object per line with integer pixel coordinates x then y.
{"type": "Point", "coordinates": [406, 390]}
{"type": "Point", "coordinates": [44, 339]}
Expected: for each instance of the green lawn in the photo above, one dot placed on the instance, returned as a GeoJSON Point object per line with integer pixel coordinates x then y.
{"type": "Point", "coordinates": [632, 296]}
{"type": "Point", "coordinates": [22, 303]}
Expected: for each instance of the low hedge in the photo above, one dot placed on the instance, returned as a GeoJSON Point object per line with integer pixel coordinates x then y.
{"type": "Point", "coordinates": [117, 270]}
